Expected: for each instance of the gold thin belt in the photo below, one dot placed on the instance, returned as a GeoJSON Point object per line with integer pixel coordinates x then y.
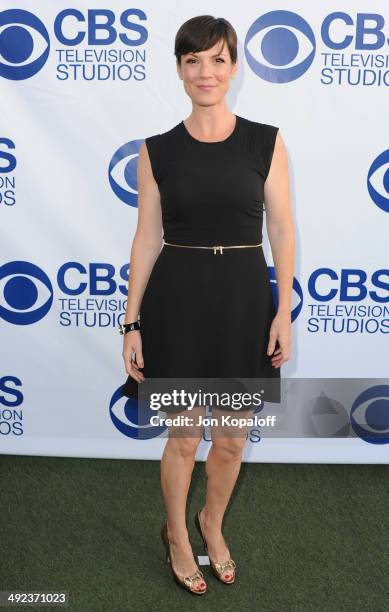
{"type": "Point", "coordinates": [215, 248]}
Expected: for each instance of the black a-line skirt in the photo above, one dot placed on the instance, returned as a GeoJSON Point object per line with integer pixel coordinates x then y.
{"type": "Point", "coordinates": [205, 315]}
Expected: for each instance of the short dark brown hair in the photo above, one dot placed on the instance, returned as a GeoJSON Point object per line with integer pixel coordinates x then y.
{"type": "Point", "coordinates": [203, 32]}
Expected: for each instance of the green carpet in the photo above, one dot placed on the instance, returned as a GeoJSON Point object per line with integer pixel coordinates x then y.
{"type": "Point", "coordinates": [305, 537]}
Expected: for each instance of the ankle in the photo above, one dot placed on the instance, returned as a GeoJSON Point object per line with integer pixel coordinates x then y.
{"type": "Point", "coordinates": [178, 537]}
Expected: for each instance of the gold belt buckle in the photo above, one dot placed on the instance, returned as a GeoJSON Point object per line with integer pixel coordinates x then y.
{"type": "Point", "coordinates": [216, 248]}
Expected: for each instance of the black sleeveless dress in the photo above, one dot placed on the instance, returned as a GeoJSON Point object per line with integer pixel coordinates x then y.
{"type": "Point", "coordinates": [206, 313]}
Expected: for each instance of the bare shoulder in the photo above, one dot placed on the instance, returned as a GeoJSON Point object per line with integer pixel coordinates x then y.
{"type": "Point", "coordinates": [144, 157]}
{"type": "Point", "coordinates": [147, 171]}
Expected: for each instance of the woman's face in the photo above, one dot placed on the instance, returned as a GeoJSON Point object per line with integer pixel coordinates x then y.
{"type": "Point", "coordinates": [206, 74]}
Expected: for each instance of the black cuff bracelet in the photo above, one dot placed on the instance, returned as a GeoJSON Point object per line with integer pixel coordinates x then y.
{"type": "Point", "coordinates": [123, 329]}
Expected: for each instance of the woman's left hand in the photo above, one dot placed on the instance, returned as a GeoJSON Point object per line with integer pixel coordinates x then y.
{"type": "Point", "coordinates": [281, 330]}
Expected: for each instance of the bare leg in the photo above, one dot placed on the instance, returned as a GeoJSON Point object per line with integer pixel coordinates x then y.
{"type": "Point", "coordinates": [176, 471]}
{"type": "Point", "coordinates": [222, 469]}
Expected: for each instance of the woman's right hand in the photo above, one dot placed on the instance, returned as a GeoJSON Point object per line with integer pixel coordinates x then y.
{"type": "Point", "coordinates": [132, 342]}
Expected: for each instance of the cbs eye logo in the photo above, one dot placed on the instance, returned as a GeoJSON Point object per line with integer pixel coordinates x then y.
{"type": "Point", "coordinates": [24, 44]}
{"type": "Point", "coordinates": [280, 46]}
{"type": "Point", "coordinates": [132, 417]}
{"type": "Point", "coordinates": [22, 286]}
{"type": "Point", "coordinates": [370, 415]}
{"type": "Point", "coordinates": [122, 172]}
{"type": "Point", "coordinates": [378, 181]}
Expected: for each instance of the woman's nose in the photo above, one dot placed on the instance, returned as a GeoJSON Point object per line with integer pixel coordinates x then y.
{"type": "Point", "coordinates": [206, 70]}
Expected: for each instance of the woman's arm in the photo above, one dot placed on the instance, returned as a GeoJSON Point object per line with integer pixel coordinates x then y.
{"type": "Point", "coordinates": [147, 242]}
{"type": "Point", "coordinates": [146, 246]}
{"type": "Point", "coordinates": [280, 229]}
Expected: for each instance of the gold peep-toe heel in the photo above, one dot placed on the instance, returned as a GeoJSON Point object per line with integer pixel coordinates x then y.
{"type": "Point", "coordinates": [188, 581]}
{"type": "Point", "coordinates": [217, 568]}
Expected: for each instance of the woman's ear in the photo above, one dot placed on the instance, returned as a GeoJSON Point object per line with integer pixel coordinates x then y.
{"type": "Point", "coordinates": [178, 66]}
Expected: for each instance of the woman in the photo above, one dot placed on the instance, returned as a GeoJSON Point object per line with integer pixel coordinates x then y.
{"type": "Point", "coordinates": [206, 309]}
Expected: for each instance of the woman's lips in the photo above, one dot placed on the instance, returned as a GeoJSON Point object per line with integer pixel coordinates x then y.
{"type": "Point", "coordinates": [206, 87]}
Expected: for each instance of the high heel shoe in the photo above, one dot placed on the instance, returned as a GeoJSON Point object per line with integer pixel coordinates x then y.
{"type": "Point", "coordinates": [217, 568]}
{"type": "Point", "coordinates": [187, 581]}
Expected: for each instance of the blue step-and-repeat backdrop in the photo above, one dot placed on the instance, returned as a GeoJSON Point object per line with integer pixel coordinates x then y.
{"type": "Point", "coordinates": [81, 86]}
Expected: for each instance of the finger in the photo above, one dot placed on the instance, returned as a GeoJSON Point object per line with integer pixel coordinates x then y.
{"type": "Point", "coordinates": [271, 346]}
{"type": "Point", "coordinates": [129, 363]}
{"type": "Point", "coordinates": [277, 352]}
{"type": "Point", "coordinates": [276, 364]}
{"type": "Point", "coordinates": [134, 359]}
{"type": "Point", "coordinates": [139, 359]}
{"type": "Point", "coordinates": [277, 360]}
{"type": "Point", "coordinates": [283, 359]}
{"type": "Point", "coordinates": [137, 376]}
{"type": "Point", "coordinates": [137, 370]}
{"type": "Point", "coordinates": [285, 355]}
{"type": "Point", "coordinates": [136, 367]}
{"type": "Point", "coordinates": [132, 370]}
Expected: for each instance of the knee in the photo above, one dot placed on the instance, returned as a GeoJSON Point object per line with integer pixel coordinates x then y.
{"type": "Point", "coordinates": [229, 448]}
{"type": "Point", "coordinates": [185, 447]}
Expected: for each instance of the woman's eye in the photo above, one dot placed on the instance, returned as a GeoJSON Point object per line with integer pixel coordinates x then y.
{"type": "Point", "coordinates": [191, 60]}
